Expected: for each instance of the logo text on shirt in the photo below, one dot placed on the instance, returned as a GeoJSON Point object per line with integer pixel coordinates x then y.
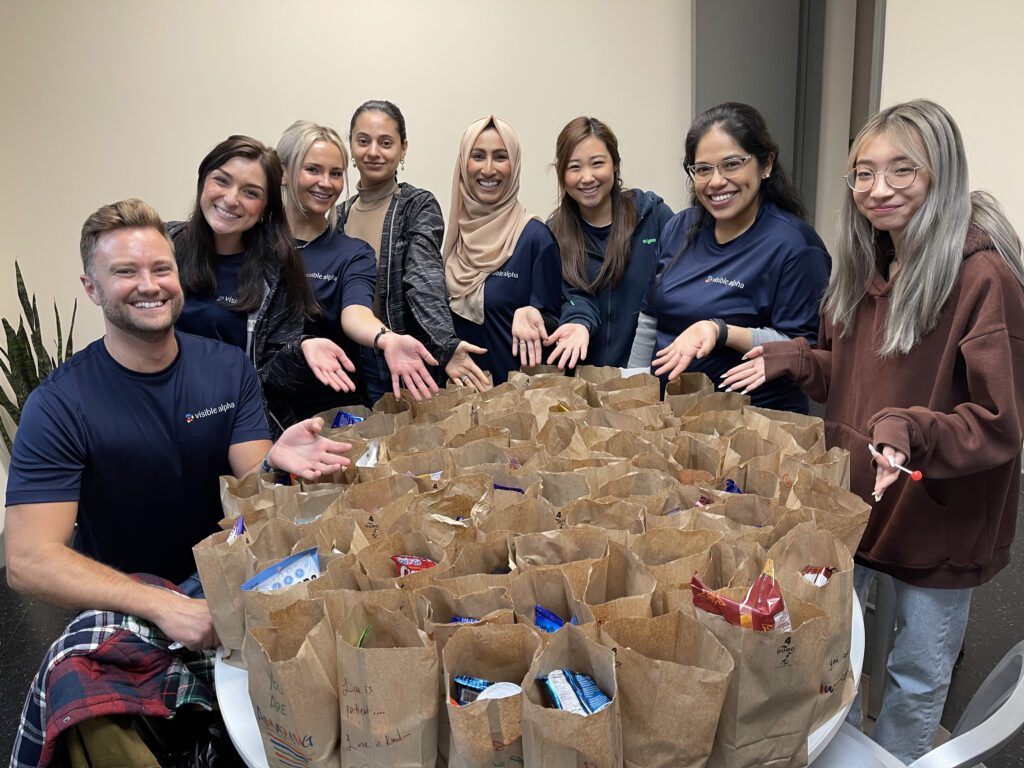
{"type": "Point", "coordinates": [319, 276]}
{"type": "Point", "coordinates": [507, 273]}
{"type": "Point", "coordinates": [724, 281]}
{"type": "Point", "coordinates": [212, 410]}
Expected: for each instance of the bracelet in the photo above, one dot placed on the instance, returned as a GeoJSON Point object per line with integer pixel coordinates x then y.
{"type": "Point", "coordinates": [266, 467]}
{"type": "Point", "coordinates": [723, 332]}
{"type": "Point", "coordinates": [376, 338]}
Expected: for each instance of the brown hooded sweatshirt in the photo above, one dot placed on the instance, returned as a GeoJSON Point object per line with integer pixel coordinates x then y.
{"type": "Point", "coordinates": [954, 405]}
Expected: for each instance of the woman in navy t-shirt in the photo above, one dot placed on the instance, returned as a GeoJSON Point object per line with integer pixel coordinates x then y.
{"type": "Point", "coordinates": [502, 265]}
{"type": "Point", "coordinates": [342, 272]}
{"type": "Point", "coordinates": [244, 281]}
{"type": "Point", "coordinates": [737, 269]}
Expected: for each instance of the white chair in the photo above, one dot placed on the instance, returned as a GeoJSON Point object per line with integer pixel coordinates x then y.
{"type": "Point", "coordinates": [994, 716]}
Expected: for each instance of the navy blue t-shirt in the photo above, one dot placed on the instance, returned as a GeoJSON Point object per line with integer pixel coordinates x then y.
{"type": "Point", "coordinates": [213, 316]}
{"type": "Point", "coordinates": [342, 272]}
{"type": "Point", "coordinates": [141, 453]}
{"type": "Point", "coordinates": [531, 277]}
{"type": "Point", "coordinates": [771, 276]}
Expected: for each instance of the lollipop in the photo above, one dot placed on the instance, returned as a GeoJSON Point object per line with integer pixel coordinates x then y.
{"type": "Point", "coordinates": [915, 474]}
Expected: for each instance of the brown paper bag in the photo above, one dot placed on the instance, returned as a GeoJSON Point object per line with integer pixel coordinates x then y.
{"type": "Point", "coordinates": [387, 719]}
{"type": "Point", "coordinates": [488, 732]}
{"type": "Point", "coordinates": [840, 512]}
{"type": "Point", "coordinates": [548, 587]}
{"type": "Point", "coordinates": [436, 607]}
{"type": "Point", "coordinates": [805, 546]}
{"type": "Point", "coordinates": [222, 570]}
{"type": "Point", "coordinates": [293, 687]}
{"type": "Point", "coordinates": [553, 738]}
{"type": "Point", "coordinates": [480, 565]}
{"type": "Point", "coordinates": [618, 585]}
{"type": "Point", "coordinates": [672, 556]}
{"type": "Point", "coordinates": [665, 667]}
{"type": "Point", "coordinates": [615, 514]}
{"type": "Point", "coordinates": [528, 514]}
{"type": "Point", "coordinates": [769, 708]}
{"type": "Point", "coordinates": [381, 572]}
{"type": "Point", "coordinates": [377, 504]}
{"type": "Point", "coordinates": [686, 391]}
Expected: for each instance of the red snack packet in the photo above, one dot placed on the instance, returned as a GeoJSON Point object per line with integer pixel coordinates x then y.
{"type": "Point", "coordinates": [818, 575]}
{"type": "Point", "coordinates": [411, 564]}
{"type": "Point", "coordinates": [762, 610]}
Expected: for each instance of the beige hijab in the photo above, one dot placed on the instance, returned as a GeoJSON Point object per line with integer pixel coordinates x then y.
{"type": "Point", "coordinates": [480, 237]}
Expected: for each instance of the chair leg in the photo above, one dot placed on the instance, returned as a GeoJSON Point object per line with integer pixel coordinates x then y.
{"type": "Point", "coordinates": [882, 639]}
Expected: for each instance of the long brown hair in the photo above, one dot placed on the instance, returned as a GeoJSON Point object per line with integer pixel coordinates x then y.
{"type": "Point", "coordinates": [267, 244]}
{"type": "Point", "coordinates": [566, 222]}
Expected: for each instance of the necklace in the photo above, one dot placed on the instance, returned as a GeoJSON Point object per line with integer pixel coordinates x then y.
{"type": "Point", "coordinates": [307, 242]}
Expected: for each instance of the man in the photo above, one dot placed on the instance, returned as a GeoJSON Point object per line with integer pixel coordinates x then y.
{"type": "Point", "coordinates": [129, 437]}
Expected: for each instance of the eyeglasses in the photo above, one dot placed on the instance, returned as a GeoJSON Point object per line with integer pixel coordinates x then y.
{"type": "Point", "coordinates": [898, 176]}
{"type": "Point", "coordinates": [728, 168]}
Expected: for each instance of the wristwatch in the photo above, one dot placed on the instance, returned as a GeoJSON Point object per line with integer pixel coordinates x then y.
{"type": "Point", "coordinates": [723, 332]}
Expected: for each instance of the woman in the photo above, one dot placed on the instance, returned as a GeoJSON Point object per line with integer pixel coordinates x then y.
{"type": "Point", "coordinates": [920, 355]}
{"type": "Point", "coordinates": [244, 281]}
{"type": "Point", "coordinates": [501, 265]}
{"type": "Point", "coordinates": [738, 268]}
{"type": "Point", "coordinates": [403, 226]}
{"type": "Point", "coordinates": [608, 238]}
{"type": "Point", "coordinates": [341, 270]}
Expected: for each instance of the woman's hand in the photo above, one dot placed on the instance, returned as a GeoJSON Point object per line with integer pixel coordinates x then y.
{"type": "Point", "coordinates": [885, 470]}
{"type": "Point", "coordinates": [571, 341]}
{"type": "Point", "coordinates": [695, 342]}
{"type": "Point", "coordinates": [302, 451]}
{"type": "Point", "coordinates": [747, 376]}
{"type": "Point", "coordinates": [408, 360]}
{"type": "Point", "coordinates": [328, 362]}
{"type": "Point", "coordinates": [463, 369]}
{"type": "Point", "coordinates": [527, 335]}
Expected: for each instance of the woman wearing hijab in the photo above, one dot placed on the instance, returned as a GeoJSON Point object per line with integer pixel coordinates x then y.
{"type": "Point", "coordinates": [502, 265]}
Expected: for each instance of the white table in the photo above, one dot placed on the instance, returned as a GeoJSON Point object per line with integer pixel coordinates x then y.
{"type": "Point", "coordinates": [233, 695]}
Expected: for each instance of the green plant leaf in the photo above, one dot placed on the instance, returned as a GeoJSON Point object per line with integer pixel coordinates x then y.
{"type": "Point", "coordinates": [69, 351]}
{"type": "Point", "coordinates": [23, 377]}
{"type": "Point", "coordinates": [15, 413]}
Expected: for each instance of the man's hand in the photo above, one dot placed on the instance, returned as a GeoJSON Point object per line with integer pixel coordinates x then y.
{"type": "Point", "coordinates": [408, 360]}
{"type": "Point", "coordinates": [184, 620]}
{"type": "Point", "coordinates": [328, 362]}
{"type": "Point", "coordinates": [695, 342]}
{"type": "Point", "coordinates": [571, 341]}
{"type": "Point", "coordinates": [463, 369]}
{"type": "Point", "coordinates": [527, 334]}
{"type": "Point", "coordinates": [301, 451]}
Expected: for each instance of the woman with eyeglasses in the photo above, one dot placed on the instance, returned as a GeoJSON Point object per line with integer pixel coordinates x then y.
{"type": "Point", "coordinates": [501, 264]}
{"type": "Point", "coordinates": [737, 269]}
{"type": "Point", "coordinates": [403, 227]}
{"type": "Point", "coordinates": [920, 363]}
{"type": "Point", "coordinates": [608, 238]}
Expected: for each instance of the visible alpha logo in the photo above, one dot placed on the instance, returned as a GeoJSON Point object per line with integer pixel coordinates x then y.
{"type": "Point", "coordinates": [649, 240]}
{"type": "Point", "coordinates": [724, 281]}
{"type": "Point", "coordinates": [507, 273]}
{"type": "Point", "coordinates": [320, 276]}
{"type": "Point", "coordinates": [227, 300]}
{"type": "Point", "coordinates": [213, 409]}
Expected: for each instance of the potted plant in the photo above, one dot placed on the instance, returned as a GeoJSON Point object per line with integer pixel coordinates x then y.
{"type": "Point", "coordinates": [25, 360]}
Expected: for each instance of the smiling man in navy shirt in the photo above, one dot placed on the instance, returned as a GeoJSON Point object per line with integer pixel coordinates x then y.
{"type": "Point", "coordinates": [129, 437]}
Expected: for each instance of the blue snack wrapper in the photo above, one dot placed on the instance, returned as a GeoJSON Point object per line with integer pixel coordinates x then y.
{"type": "Point", "coordinates": [302, 566]}
{"type": "Point", "coordinates": [345, 419]}
{"type": "Point", "coordinates": [731, 487]}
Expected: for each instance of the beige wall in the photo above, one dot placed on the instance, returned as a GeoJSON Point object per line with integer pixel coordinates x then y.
{"type": "Point", "coordinates": [107, 100]}
{"type": "Point", "coordinates": [969, 58]}
{"type": "Point", "coordinates": [114, 99]}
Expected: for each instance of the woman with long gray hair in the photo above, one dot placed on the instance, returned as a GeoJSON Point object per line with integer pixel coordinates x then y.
{"type": "Point", "coordinates": [920, 362]}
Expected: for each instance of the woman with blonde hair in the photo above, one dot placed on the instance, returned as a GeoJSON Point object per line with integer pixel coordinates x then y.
{"type": "Point", "coordinates": [341, 271]}
{"type": "Point", "coordinates": [920, 363]}
{"type": "Point", "coordinates": [501, 264]}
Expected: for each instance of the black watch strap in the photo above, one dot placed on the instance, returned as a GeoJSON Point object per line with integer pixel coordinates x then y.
{"type": "Point", "coordinates": [723, 332]}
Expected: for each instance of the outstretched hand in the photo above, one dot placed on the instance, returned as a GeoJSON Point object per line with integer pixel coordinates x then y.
{"type": "Point", "coordinates": [328, 362]}
{"type": "Point", "coordinates": [528, 333]}
{"type": "Point", "coordinates": [408, 359]}
{"type": "Point", "coordinates": [748, 375]}
{"type": "Point", "coordinates": [571, 341]}
{"type": "Point", "coordinates": [303, 452]}
{"type": "Point", "coordinates": [463, 370]}
{"type": "Point", "coordinates": [695, 342]}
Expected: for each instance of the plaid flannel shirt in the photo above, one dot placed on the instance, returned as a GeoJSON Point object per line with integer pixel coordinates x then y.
{"type": "Point", "coordinates": [107, 663]}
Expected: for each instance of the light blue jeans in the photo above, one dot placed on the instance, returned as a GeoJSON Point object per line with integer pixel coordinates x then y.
{"type": "Point", "coordinates": [930, 626]}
